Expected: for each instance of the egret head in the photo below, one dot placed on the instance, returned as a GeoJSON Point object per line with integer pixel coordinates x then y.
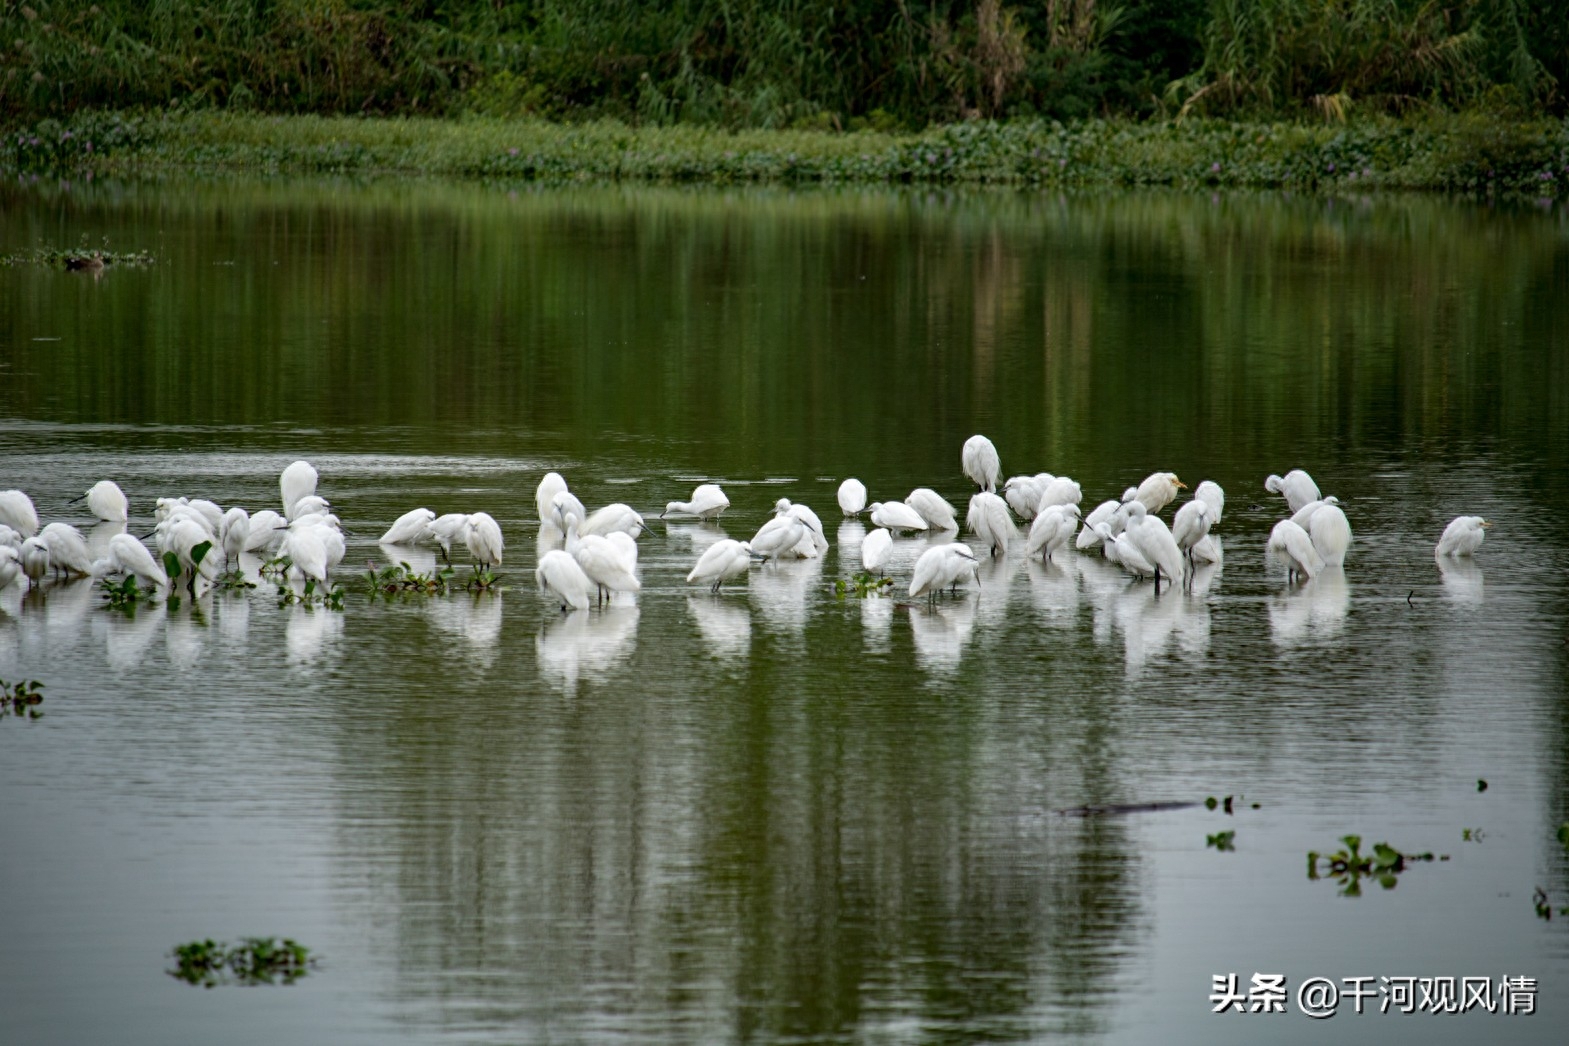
{"type": "Point", "coordinates": [782, 506]}
{"type": "Point", "coordinates": [1273, 484]}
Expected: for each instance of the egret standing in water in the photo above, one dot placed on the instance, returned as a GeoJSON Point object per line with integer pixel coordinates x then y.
{"type": "Point", "coordinates": [1051, 530]}
{"type": "Point", "coordinates": [875, 549]}
{"type": "Point", "coordinates": [1153, 539]}
{"type": "Point", "coordinates": [17, 512]}
{"type": "Point", "coordinates": [720, 562]}
{"type": "Point", "coordinates": [933, 508]}
{"type": "Point", "coordinates": [981, 463]}
{"type": "Point", "coordinates": [1158, 490]}
{"type": "Point", "coordinates": [942, 566]}
{"type": "Point", "coordinates": [708, 501]}
{"type": "Point", "coordinates": [1293, 543]}
{"type": "Point", "coordinates": [295, 482]}
{"type": "Point", "coordinates": [559, 572]}
{"type": "Point", "coordinates": [106, 501]}
{"type": "Point", "coordinates": [852, 497]}
{"type": "Point", "coordinates": [408, 528]}
{"type": "Point", "coordinates": [1297, 487]}
{"type": "Point", "coordinates": [482, 535]}
{"type": "Point", "coordinates": [1462, 537]}
{"type": "Point", "coordinates": [988, 520]}
{"type": "Point", "coordinates": [896, 516]}
{"type": "Point", "coordinates": [1331, 534]}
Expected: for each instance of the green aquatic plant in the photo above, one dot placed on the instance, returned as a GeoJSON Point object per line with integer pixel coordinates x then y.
{"type": "Point", "coordinates": [253, 961]}
{"type": "Point", "coordinates": [83, 258]}
{"type": "Point", "coordinates": [21, 698]}
{"type": "Point", "coordinates": [125, 595]}
{"type": "Point", "coordinates": [861, 585]}
{"type": "Point", "coordinates": [233, 581]}
{"type": "Point", "coordinates": [1222, 841]}
{"type": "Point", "coordinates": [276, 567]}
{"type": "Point", "coordinates": [1349, 865]}
{"type": "Point", "coordinates": [483, 580]}
{"type": "Point", "coordinates": [403, 579]}
{"type": "Point", "coordinates": [310, 595]}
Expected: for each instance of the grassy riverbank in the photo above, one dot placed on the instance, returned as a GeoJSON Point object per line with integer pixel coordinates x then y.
{"type": "Point", "coordinates": [1473, 154]}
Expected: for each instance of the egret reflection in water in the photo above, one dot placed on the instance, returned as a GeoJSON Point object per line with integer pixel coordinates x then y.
{"type": "Point", "coordinates": [585, 646]}
{"type": "Point", "coordinates": [1312, 611]}
{"type": "Point", "coordinates": [779, 591]}
{"type": "Point", "coordinates": [724, 623]}
{"type": "Point", "coordinates": [311, 635]}
{"type": "Point", "coordinates": [1462, 578]}
{"type": "Point", "coordinates": [941, 631]}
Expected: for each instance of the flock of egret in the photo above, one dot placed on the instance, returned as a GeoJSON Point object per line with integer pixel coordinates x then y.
{"type": "Point", "coordinates": [588, 556]}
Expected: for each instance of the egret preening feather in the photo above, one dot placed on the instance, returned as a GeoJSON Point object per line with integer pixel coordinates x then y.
{"type": "Point", "coordinates": [1153, 539]}
{"type": "Point", "coordinates": [1051, 530]}
{"type": "Point", "coordinates": [942, 566]}
{"type": "Point", "coordinates": [558, 572]}
{"type": "Point", "coordinates": [852, 497]}
{"type": "Point", "coordinates": [988, 520]}
{"type": "Point", "coordinates": [981, 463]}
{"type": "Point", "coordinates": [296, 481]}
{"type": "Point", "coordinates": [875, 548]}
{"type": "Point", "coordinates": [708, 501]}
{"type": "Point", "coordinates": [1293, 544]}
{"type": "Point", "coordinates": [1331, 534]}
{"type": "Point", "coordinates": [1297, 487]}
{"type": "Point", "coordinates": [933, 508]}
{"type": "Point", "coordinates": [1210, 493]}
{"type": "Point", "coordinates": [17, 512]}
{"type": "Point", "coordinates": [896, 516]}
{"type": "Point", "coordinates": [408, 528]}
{"type": "Point", "coordinates": [720, 562]}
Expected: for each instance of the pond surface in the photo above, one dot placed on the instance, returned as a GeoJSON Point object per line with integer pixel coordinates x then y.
{"type": "Point", "coordinates": [777, 815]}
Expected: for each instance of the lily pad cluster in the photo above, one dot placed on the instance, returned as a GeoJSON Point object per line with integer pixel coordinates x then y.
{"type": "Point", "coordinates": [253, 961]}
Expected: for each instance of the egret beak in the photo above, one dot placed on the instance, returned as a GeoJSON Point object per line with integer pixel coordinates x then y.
{"type": "Point", "coordinates": [1485, 523]}
{"type": "Point", "coordinates": [149, 534]}
{"type": "Point", "coordinates": [74, 500]}
{"type": "Point", "coordinates": [1181, 484]}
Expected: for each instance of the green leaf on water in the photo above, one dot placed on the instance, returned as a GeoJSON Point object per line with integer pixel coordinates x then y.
{"type": "Point", "coordinates": [199, 553]}
{"type": "Point", "coordinates": [1563, 833]}
{"type": "Point", "coordinates": [1211, 803]}
{"type": "Point", "coordinates": [171, 564]}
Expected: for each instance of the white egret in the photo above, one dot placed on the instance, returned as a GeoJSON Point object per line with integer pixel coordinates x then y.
{"type": "Point", "coordinates": [106, 501]}
{"type": "Point", "coordinates": [778, 536]}
{"type": "Point", "coordinates": [1023, 493]}
{"type": "Point", "coordinates": [875, 549]}
{"type": "Point", "coordinates": [564, 504]}
{"type": "Point", "coordinates": [604, 566]}
{"type": "Point", "coordinates": [1060, 491]}
{"type": "Point", "coordinates": [626, 548]}
{"type": "Point", "coordinates": [10, 537]}
{"type": "Point", "coordinates": [941, 566]}
{"type": "Point", "coordinates": [559, 572]}
{"type": "Point", "coordinates": [816, 542]}
{"type": "Point", "coordinates": [1191, 525]}
{"type": "Point", "coordinates": [1089, 534]}
{"type": "Point", "coordinates": [10, 566]}
{"type": "Point", "coordinates": [408, 528]}
{"type": "Point", "coordinates": [896, 516]}
{"type": "Point", "coordinates": [1212, 495]}
{"type": "Point", "coordinates": [164, 506]}
{"type": "Point", "coordinates": [1294, 544]}
{"type": "Point", "coordinates": [67, 549]}
{"type": "Point", "coordinates": [1121, 551]}
{"type": "Point", "coordinates": [708, 501]}
{"type": "Point", "coordinates": [933, 508]}
{"type": "Point", "coordinates": [1153, 539]}
{"type": "Point", "coordinates": [1302, 516]}
{"type": "Point", "coordinates": [988, 520]}
{"type": "Point", "coordinates": [265, 531]}
{"type": "Point", "coordinates": [1207, 550]}
{"type": "Point", "coordinates": [305, 546]}
{"type": "Point", "coordinates": [1158, 490]}
{"type": "Point", "coordinates": [34, 555]}
{"type": "Point", "coordinates": [545, 499]}
{"type": "Point", "coordinates": [309, 505]}
{"type": "Point", "coordinates": [981, 463]}
{"type": "Point", "coordinates": [1462, 537]}
{"type": "Point", "coordinates": [611, 518]}
{"type": "Point", "coordinates": [182, 535]}
{"type": "Point", "coordinates": [720, 562]}
{"type": "Point", "coordinates": [1297, 487]}
{"type": "Point", "coordinates": [445, 529]}
{"type": "Point", "coordinates": [1331, 534]}
{"type": "Point", "coordinates": [129, 556]}
{"type": "Point", "coordinates": [234, 533]}
{"type": "Point", "coordinates": [17, 512]}
{"type": "Point", "coordinates": [296, 481]}
{"type": "Point", "coordinates": [482, 534]}
{"type": "Point", "coordinates": [1051, 530]}
{"type": "Point", "coordinates": [852, 497]}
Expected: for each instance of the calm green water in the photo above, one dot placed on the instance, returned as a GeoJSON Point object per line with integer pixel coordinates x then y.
{"type": "Point", "coordinates": [778, 816]}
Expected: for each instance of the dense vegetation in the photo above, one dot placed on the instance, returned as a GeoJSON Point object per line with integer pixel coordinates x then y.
{"type": "Point", "coordinates": [884, 64]}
